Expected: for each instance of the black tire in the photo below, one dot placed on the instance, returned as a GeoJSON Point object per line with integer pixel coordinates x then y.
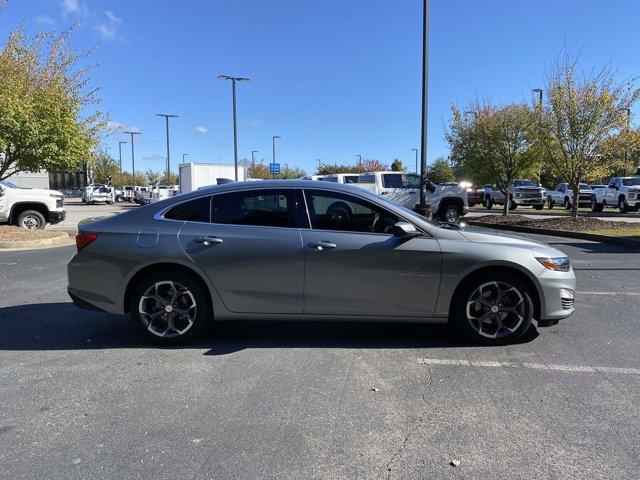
{"type": "Point", "coordinates": [451, 213]}
{"type": "Point", "coordinates": [550, 203]}
{"type": "Point", "coordinates": [512, 204]}
{"type": "Point", "coordinates": [595, 206]}
{"type": "Point", "coordinates": [489, 203]}
{"type": "Point", "coordinates": [464, 296]}
{"type": "Point", "coordinates": [622, 205]}
{"type": "Point", "coordinates": [200, 316]}
{"type": "Point", "coordinates": [567, 203]}
{"type": "Point", "coordinates": [31, 220]}
{"type": "Point", "coordinates": [538, 207]}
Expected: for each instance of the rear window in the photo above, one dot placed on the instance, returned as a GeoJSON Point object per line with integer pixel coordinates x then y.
{"type": "Point", "coordinates": [198, 210]}
{"type": "Point", "coordinates": [351, 179]}
{"type": "Point", "coordinates": [392, 180]}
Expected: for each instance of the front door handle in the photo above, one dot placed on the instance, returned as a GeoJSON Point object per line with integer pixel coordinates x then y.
{"type": "Point", "coordinates": [322, 245]}
{"type": "Point", "coordinates": [208, 240]}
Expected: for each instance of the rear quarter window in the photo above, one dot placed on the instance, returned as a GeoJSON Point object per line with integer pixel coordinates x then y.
{"type": "Point", "coordinates": [197, 210]}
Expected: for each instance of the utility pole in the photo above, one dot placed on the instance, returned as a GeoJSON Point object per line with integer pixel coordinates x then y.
{"type": "Point", "coordinates": [120, 157]}
{"type": "Point", "coordinates": [253, 156]}
{"type": "Point", "coordinates": [184, 155]}
{"type": "Point", "coordinates": [133, 158]}
{"type": "Point", "coordinates": [359, 160]}
{"type": "Point", "coordinates": [539, 92]}
{"type": "Point", "coordinates": [167, 116]}
{"type": "Point", "coordinates": [423, 208]}
{"type": "Point", "coordinates": [235, 124]}
{"type": "Point", "coordinates": [628, 127]}
{"type": "Point", "coordinates": [416, 150]}
{"type": "Point", "coordinates": [273, 141]}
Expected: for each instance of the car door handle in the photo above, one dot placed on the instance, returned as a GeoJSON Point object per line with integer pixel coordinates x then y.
{"type": "Point", "coordinates": [322, 245]}
{"type": "Point", "coordinates": [208, 240]}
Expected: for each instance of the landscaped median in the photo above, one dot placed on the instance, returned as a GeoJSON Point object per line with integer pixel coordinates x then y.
{"type": "Point", "coordinates": [585, 228]}
{"type": "Point", "coordinates": [15, 238]}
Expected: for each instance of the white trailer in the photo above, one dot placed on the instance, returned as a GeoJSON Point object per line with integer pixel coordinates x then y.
{"type": "Point", "coordinates": [196, 175]}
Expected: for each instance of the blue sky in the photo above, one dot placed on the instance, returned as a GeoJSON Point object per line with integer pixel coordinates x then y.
{"type": "Point", "coordinates": [334, 78]}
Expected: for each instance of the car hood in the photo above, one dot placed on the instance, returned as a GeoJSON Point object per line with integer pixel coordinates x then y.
{"type": "Point", "coordinates": [527, 189]}
{"type": "Point", "coordinates": [33, 192]}
{"type": "Point", "coordinates": [478, 235]}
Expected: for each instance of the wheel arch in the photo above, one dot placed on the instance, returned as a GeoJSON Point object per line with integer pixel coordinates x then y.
{"type": "Point", "coordinates": [164, 267]}
{"type": "Point", "coordinates": [19, 207]}
{"type": "Point", "coordinates": [446, 201]}
{"type": "Point", "coordinates": [536, 293]}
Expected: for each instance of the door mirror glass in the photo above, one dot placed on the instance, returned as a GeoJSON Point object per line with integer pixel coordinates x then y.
{"type": "Point", "coordinates": [405, 229]}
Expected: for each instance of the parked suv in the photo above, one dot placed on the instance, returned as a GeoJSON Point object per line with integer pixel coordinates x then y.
{"type": "Point", "coordinates": [448, 202]}
{"type": "Point", "coordinates": [622, 193]}
{"type": "Point", "coordinates": [523, 193]}
{"type": "Point", "coordinates": [563, 195]}
{"type": "Point", "coordinates": [30, 208]}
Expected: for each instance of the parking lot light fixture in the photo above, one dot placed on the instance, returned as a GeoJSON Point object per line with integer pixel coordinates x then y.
{"type": "Point", "coordinates": [234, 80]}
{"type": "Point", "coordinates": [183, 157]}
{"type": "Point", "coordinates": [120, 143]}
{"type": "Point", "coordinates": [539, 92]}
{"type": "Point", "coordinates": [273, 142]}
{"type": "Point", "coordinates": [167, 116]}
{"type": "Point", "coordinates": [133, 157]}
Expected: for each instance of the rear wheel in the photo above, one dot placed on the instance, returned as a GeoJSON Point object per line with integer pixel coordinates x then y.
{"type": "Point", "coordinates": [550, 203]}
{"type": "Point", "coordinates": [170, 308]}
{"type": "Point", "coordinates": [595, 206]}
{"type": "Point", "coordinates": [488, 203]}
{"type": "Point", "coordinates": [31, 220]}
{"type": "Point", "coordinates": [622, 205]}
{"type": "Point", "coordinates": [451, 213]}
{"type": "Point", "coordinates": [567, 203]}
{"type": "Point", "coordinates": [494, 308]}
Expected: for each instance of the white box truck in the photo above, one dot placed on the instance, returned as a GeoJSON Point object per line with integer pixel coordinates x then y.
{"type": "Point", "coordinates": [196, 175]}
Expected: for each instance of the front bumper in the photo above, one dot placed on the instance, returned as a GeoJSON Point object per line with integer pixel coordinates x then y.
{"type": "Point", "coordinates": [57, 217]}
{"type": "Point", "coordinates": [555, 304]}
{"type": "Point", "coordinates": [528, 201]}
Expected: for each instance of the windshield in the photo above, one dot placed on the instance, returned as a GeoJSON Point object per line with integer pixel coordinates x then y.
{"type": "Point", "coordinates": [584, 186]}
{"type": "Point", "coordinates": [630, 182]}
{"type": "Point", "coordinates": [524, 183]}
{"type": "Point", "coordinates": [8, 184]}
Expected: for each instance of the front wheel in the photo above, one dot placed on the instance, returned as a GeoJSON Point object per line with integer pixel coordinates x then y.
{"type": "Point", "coordinates": [451, 214]}
{"type": "Point", "coordinates": [567, 204]}
{"type": "Point", "coordinates": [170, 308]}
{"type": "Point", "coordinates": [622, 206]}
{"type": "Point", "coordinates": [595, 206]}
{"type": "Point", "coordinates": [31, 220]}
{"type": "Point", "coordinates": [493, 309]}
{"type": "Point", "coordinates": [550, 203]}
{"type": "Point", "coordinates": [489, 203]}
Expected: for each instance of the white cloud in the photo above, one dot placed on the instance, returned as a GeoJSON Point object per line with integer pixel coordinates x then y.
{"type": "Point", "coordinates": [112, 17]}
{"type": "Point", "coordinates": [201, 130]}
{"type": "Point", "coordinates": [45, 20]}
{"type": "Point", "coordinates": [153, 156]}
{"type": "Point", "coordinates": [114, 125]}
{"type": "Point", "coordinates": [106, 31]}
{"type": "Point", "coordinates": [254, 123]}
{"type": "Point", "coordinates": [70, 6]}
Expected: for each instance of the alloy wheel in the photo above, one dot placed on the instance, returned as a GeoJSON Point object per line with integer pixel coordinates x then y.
{"type": "Point", "coordinates": [167, 309]}
{"type": "Point", "coordinates": [451, 215]}
{"type": "Point", "coordinates": [30, 222]}
{"type": "Point", "coordinates": [495, 309]}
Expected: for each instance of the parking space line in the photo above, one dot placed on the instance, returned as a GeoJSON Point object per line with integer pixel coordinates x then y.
{"type": "Point", "coordinates": [636, 294]}
{"type": "Point", "coordinates": [533, 366]}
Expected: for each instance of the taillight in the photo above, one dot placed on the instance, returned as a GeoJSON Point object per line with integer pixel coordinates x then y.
{"type": "Point", "coordinates": [84, 239]}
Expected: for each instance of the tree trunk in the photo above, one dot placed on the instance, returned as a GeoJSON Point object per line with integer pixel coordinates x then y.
{"type": "Point", "coordinates": [575, 189]}
{"type": "Point", "coordinates": [507, 201]}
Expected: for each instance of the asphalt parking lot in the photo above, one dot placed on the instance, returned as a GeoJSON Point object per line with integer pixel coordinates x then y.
{"type": "Point", "coordinates": [85, 397]}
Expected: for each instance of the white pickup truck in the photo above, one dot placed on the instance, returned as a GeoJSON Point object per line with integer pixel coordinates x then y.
{"type": "Point", "coordinates": [563, 195]}
{"type": "Point", "coordinates": [448, 202]}
{"type": "Point", "coordinates": [30, 208]}
{"type": "Point", "coordinates": [523, 193]}
{"type": "Point", "coordinates": [622, 193]}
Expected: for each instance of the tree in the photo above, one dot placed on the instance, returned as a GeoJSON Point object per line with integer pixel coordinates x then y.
{"type": "Point", "coordinates": [440, 171]}
{"type": "Point", "coordinates": [372, 165]}
{"type": "Point", "coordinates": [103, 167]}
{"type": "Point", "coordinates": [293, 173]}
{"type": "Point", "coordinates": [152, 177]}
{"type": "Point", "coordinates": [335, 168]}
{"type": "Point", "coordinates": [257, 169]}
{"type": "Point", "coordinates": [43, 94]}
{"type": "Point", "coordinates": [171, 179]}
{"type": "Point", "coordinates": [580, 115]}
{"type": "Point", "coordinates": [495, 145]}
{"type": "Point", "coordinates": [397, 166]}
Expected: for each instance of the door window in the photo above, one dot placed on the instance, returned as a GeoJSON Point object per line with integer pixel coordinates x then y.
{"type": "Point", "coordinates": [197, 210]}
{"type": "Point", "coordinates": [341, 212]}
{"type": "Point", "coordinates": [266, 208]}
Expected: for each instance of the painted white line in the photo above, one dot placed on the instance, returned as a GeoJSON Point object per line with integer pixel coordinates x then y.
{"type": "Point", "coordinates": [533, 366]}
{"type": "Point", "coordinates": [637, 294]}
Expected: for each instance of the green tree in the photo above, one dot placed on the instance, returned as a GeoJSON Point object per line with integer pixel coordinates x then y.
{"type": "Point", "coordinates": [103, 167]}
{"type": "Point", "coordinates": [293, 173]}
{"type": "Point", "coordinates": [44, 90]}
{"type": "Point", "coordinates": [440, 171]}
{"type": "Point", "coordinates": [152, 177]}
{"type": "Point", "coordinates": [371, 165]}
{"type": "Point", "coordinates": [257, 169]}
{"type": "Point", "coordinates": [171, 179]}
{"type": "Point", "coordinates": [397, 166]}
{"type": "Point", "coordinates": [580, 115]}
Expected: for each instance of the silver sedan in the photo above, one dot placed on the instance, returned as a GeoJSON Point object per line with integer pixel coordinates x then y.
{"type": "Point", "coordinates": [310, 250]}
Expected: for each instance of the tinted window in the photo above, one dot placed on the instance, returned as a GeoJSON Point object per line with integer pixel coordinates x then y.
{"type": "Point", "coordinates": [197, 210]}
{"type": "Point", "coordinates": [329, 179]}
{"type": "Point", "coordinates": [351, 179]}
{"type": "Point", "coordinates": [337, 211]}
{"type": "Point", "coordinates": [367, 179]}
{"type": "Point", "coordinates": [392, 180]}
{"type": "Point", "coordinates": [628, 182]}
{"type": "Point", "coordinates": [267, 208]}
{"type": "Point", "coordinates": [411, 180]}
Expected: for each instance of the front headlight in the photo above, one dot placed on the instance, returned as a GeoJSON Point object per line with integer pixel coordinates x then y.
{"type": "Point", "coordinates": [56, 195]}
{"type": "Point", "coordinates": [518, 194]}
{"type": "Point", "coordinates": [559, 264]}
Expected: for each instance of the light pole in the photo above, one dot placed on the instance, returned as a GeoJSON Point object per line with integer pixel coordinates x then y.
{"type": "Point", "coordinates": [423, 208]}
{"type": "Point", "coordinates": [184, 155]}
{"type": "Point", "coordinates": [416, 150]}
{"type": "Point", "coordinates": [167, 116]}
{"type": "Point", "coordinates": [253, 156]}
{"type": "Point", "coordinates": [539, 92]}
{"type": "Point", "coordinates": [319, 164]}
{"type": "Point", "coordinates": [273, 142]}
{"type": "Point", "coordinates": [235, 125]}
{"type": "Point", "coordinates": [133, 158]}
{"type": "Point", "coordinates": [120, 156]}
{"type": "Point", "coordinates": [359, 159]}
{"type": "Point", "coordinates": [628, 127]}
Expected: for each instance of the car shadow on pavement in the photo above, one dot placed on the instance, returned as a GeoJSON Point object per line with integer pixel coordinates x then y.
{"type": "Point", "coordinates": [63, 326]}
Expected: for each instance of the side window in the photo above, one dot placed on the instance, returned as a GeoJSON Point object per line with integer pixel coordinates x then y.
{"type": "Point", "coordinates": [266, 208]}
{"type": "Point", "coordinates": [341, 212]}
{"type": "Point", "coordinates": [392, 180]}
{"type": "Point", "coordinates": [366, 179]}
{"type": "Point", "coordinates": [411, 180]}
{"type": "Point", "coordinates": [197, 210]}
{"type": "Point", "coordinates": [612, 183]}
{"type": "Point", "coordinates": [351, 179]}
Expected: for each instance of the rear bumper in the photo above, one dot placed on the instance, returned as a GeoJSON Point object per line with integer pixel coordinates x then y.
{"type": "Point", "coordinates": [57, 217]}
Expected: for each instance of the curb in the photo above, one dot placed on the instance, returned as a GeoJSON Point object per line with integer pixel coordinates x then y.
{"type": "Point", "coordinates": [61, 239]}
{"type": "Point", "coordinates": [627, 242]}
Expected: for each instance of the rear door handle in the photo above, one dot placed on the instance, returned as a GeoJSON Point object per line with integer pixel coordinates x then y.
{"type": "Point", "coordinates": [208, 240]}
{"type": "Point", "coordinates": [322, 245]}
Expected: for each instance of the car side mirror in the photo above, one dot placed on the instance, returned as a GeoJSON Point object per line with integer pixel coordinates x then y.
{"type": "Point", "coordinates": [1, 192]}
{"type": "Point", "coordinates": [405, 230]}
{"type": "Point", "coordinates": [430, 186]}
